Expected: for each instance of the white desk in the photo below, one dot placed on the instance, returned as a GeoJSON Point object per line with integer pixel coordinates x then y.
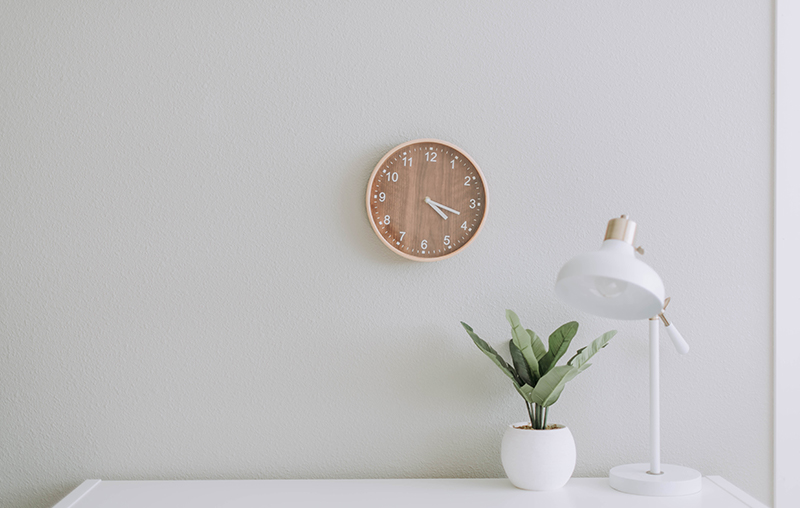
{"type": "Point", "coordinates": [463, 493]}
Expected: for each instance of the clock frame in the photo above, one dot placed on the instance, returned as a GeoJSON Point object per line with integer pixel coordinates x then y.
{"type": "Point", "coordinates": [426, 200]}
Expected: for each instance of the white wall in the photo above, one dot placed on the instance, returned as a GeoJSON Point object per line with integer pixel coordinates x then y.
{"type": "Point", "coordinates": [189, 287]}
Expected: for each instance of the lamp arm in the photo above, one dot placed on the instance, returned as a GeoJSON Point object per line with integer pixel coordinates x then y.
{"type": "Point", "coordinates": [677, 339]}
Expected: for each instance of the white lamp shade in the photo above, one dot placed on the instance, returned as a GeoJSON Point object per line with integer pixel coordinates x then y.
{"type": "Point", "coordinates": [611, 283]}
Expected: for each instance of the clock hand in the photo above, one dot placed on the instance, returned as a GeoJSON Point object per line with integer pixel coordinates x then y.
{"type": "Point", "coordinates": [436, 208]}
{"type": "Point", "coordinates": [431, 202]}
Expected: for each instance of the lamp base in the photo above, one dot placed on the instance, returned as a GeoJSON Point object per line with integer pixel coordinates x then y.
{"type": "Point", "coordinates": [674, 480]}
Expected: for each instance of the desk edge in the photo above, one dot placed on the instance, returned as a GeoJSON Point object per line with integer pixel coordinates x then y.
{"type": "Point", "coordinates": [72, 499]}
{"type": "Point", "coordinates": [736, 492]}
{"type": "Point", "coordinates": [77, 494]}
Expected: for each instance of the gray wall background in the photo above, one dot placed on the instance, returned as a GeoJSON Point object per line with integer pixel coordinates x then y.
{"type": "Point", "coordinates": [189, 287]}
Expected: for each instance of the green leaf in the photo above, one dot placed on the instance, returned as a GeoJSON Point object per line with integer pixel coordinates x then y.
{"type": "Point", "coordinates": [520, 364]}
{"type": "Point", "coordinates": [512, 318]}
{"type": "Point", "coordinates": [559, 343]}
{"type": "Point", "coordinates": [584, 353]}
{"type": "Point", "coordinates": [491, 353]}
{"type": "Point", "coordinates": [549, 388]}
{"type": "Point", "coordinates": [537, 344]}
{"type": "Point", "coordinates": [526, 391]}
{"type": "Point", "coordinates": [524, 342]}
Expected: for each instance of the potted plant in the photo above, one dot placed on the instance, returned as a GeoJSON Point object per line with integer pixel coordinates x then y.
{"type": "Point", "coordinates": [535, 455]}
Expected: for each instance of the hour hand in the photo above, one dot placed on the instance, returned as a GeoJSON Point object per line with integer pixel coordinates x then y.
{"type": "Point", "coordinates": [435, 208]}
{"type": "Point", "coordinates": [439, 205]}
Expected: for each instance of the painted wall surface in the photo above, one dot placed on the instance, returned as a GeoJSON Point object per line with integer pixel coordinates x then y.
{"type": "Point", "coordinates": [190, 288]}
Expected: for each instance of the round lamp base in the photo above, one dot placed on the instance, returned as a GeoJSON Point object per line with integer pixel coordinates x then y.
{"type": "Point", "coordinates": [673, 481]}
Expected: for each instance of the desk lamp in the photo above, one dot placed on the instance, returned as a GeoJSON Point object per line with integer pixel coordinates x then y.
{"type": "Point", "coordinates": [613, 283]}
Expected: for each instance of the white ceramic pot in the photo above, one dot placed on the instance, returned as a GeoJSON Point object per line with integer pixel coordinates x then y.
{"type": "Point", "coordinates": [538, 459]}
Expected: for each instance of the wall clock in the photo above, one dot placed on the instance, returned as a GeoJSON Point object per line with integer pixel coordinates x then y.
{"type": "Point", "coordinates": [426, 200]}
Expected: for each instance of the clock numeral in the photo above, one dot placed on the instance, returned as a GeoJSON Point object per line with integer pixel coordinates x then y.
{"type": "Point", "coordinates": [424, 244]}
{"type": "Point", "coordinates": [466, 181]}
{"type": "Point", "coordinates": [388, 220]}
{"type": "Point", "coordinates": [471, 203]}
{"type": "Point", "coordinates": [452, 164]}
{"type": "Point", "coordinates": [392, 177]}
{"type": "Point", "coordinates": [406, 161]}
{"type": "Point", "coordinates": [463, 226]}
{"type": "Point", "coordinates": [447, 240]}
{"type": "Point", "coordinates": [402, 234]}
{"type": "Point", "coordinates": [430, 156]}
{"type": "Point", "coordinates": [382, 197]}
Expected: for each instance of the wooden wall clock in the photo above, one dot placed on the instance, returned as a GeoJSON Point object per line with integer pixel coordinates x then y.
{"type": "Point", "coordinates": [426, 200]}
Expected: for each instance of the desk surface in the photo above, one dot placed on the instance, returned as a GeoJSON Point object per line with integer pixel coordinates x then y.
{"type": "Point", "coordinates": [464, 493]}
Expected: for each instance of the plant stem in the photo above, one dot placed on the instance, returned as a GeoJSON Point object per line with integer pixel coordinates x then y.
{"type": "Point", "coordinates": [530, 413]}
{"type": "Point", "coordinates": [539, 416]}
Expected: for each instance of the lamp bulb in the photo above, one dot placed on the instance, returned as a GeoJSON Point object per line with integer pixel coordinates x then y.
{"type": "Point", "coordinates": [609, 288]}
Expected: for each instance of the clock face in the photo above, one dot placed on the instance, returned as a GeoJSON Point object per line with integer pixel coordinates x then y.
{"type": "Point", "coordinates": [426, 199]}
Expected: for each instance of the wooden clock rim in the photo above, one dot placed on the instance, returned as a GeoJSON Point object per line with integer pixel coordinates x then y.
{"type": "Point", "coordinates": [375, 173]}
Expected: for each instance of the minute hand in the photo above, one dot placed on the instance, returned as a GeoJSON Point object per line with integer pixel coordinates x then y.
{"type": "Point", "coordinates": [436, 208]}
{"type": "Point", "coordinates": [432, 202]}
